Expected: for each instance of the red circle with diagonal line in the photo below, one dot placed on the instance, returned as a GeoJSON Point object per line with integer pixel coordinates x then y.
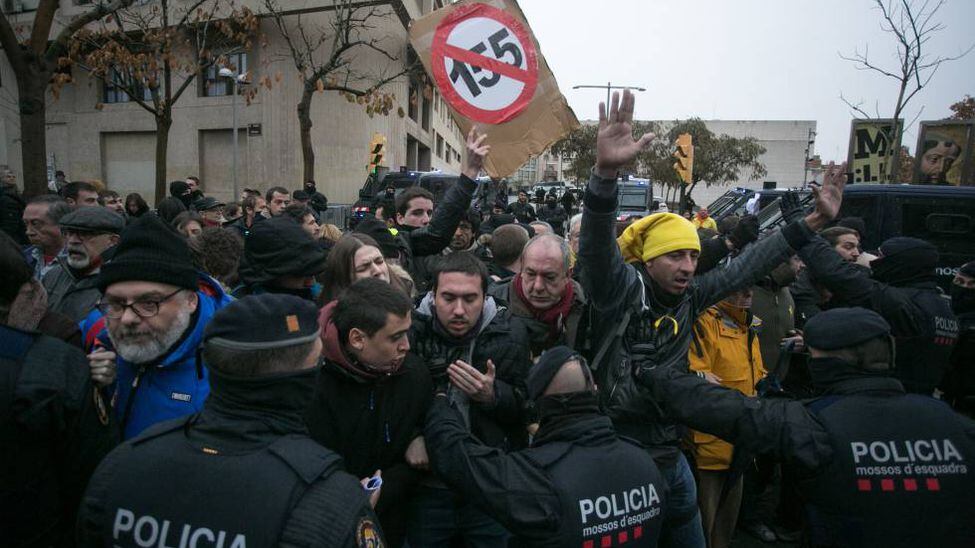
{"type": "Point", "coordinates": [470, 26]}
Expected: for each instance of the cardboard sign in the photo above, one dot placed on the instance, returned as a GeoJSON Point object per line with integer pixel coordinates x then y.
{"type": "Point", "coordinates": [869, 146]}
{"type": "Point", "coordinates": [487, 65]}
{"type": "Point", "coordinates": [945, 150]}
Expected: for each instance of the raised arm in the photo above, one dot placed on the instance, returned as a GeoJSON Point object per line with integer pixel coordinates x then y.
{"type": "Point", "coordinates": [605, 276]}
{"type": "Point", "coordinates": [433, 238]}
{"type": "Point", "coordinates": [760, 258]}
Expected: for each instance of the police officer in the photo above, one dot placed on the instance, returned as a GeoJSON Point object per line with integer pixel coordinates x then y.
{"type": "Point", "coordinates": [897, 469]}
{"type": "Point", "coordinates": [579, 485]}
{"type": "Point", "coordinates": [242, 472]}
{"type": "Point", "coordinates": [54, 425]}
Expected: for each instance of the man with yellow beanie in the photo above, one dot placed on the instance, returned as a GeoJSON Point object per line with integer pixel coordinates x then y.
{"type": "Point", "coordinates": [646, 300]}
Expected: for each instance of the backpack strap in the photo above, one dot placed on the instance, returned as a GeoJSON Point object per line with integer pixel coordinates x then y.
{"type": "Point", "coordinates": [324, 515]}
{"type": "Point", "coordinates": [617, 333]}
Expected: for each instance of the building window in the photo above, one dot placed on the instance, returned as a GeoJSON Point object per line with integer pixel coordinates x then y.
{"type": "Point", "coordinates": [439, 146]}
{"type": "Point", "coordinates": [20, 6]}
{"type": "Point", "coordinates": [215, 85]}
{"type": "Point", "coordinates": [116, 84]}
{"type": "Point", "coordinates": [450, 154]}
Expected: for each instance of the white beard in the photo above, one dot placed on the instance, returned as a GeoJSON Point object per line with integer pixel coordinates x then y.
{"type": "Point", "coordinates": [145, 351]}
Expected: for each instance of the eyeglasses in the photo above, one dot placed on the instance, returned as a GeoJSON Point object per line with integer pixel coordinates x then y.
{"type": "Point", "coordinates": [143, 309]}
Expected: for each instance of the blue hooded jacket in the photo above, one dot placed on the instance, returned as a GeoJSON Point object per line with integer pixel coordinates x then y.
{"type": "Point", "coordinates": [175, 386]}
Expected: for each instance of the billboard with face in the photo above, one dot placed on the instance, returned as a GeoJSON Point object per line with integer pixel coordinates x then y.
{"type": "Point", "coordinates": [944, 153]}
{"type": "Point", "coordinates": [870, 143]}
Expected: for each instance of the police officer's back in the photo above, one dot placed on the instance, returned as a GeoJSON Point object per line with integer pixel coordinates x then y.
{"type": "Point", "coordinates": [579, 485]}
{"type": "Point", "coordinates": [243, 471]}
{"type": "Point", "coordinates": [895, 469]}
{"type": "Point", "coordinates": [54, 425]}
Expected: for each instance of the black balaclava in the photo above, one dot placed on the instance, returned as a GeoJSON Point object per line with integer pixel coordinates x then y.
{"type": "Point", "coordinates": [963, 298]}
{"type": "Point", "coordinates": [904, 261]}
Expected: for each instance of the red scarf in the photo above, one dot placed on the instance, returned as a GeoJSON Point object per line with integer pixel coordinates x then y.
{"type": "Point", "coordinates": [555, 316]}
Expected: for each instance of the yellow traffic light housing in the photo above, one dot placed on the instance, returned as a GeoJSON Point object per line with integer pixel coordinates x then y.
{"type": "Point", "coordinates": [684, 166]}
{"type": "Point", "coordinates": [377, 150]}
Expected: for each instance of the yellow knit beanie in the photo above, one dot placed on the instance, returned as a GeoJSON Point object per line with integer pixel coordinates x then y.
{"type": "Point", "coordinates": [657, 234]}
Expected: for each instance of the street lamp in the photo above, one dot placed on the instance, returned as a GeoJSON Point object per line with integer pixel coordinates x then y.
{"type": "Point", "coordinates": [609, 87]}
{"type": "Point", "coordinates": [236, 79]}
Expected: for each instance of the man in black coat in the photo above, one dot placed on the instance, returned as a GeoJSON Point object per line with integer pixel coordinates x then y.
{"type": "Point", "coordinates": [959, 383]}
{"type": "Point", "coordinates": [479, 355]}
{"type": "Point", "coordinates": [55, 425]}
{"type": "Point", "coordinates": [553, 214]}
{"type": "Point", "coordinates": [903, 289]}
{"type": "Point", "coordinates": [552, 494]}
{"type": "Point", "coordinates": [523, 211]}
{"type": "Point", "coordinates": [242, 472]}
{"type": "Point", "coordinates": [876, 464]}
{"type": "Point", "coordinates": [11, 208]}
{"type": "Point", "coordinates": [372, 395]}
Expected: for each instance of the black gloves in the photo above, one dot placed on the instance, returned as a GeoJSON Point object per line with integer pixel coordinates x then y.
{"type": "Point", "coordinates": [745, 233]}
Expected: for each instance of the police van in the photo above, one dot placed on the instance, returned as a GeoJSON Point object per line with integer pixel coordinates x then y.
{"type": "Point", "coordinates": [636, 200]}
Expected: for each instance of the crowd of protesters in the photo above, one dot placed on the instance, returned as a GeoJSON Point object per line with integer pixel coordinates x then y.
{"type": "Point", "coordinates": [247, 374]}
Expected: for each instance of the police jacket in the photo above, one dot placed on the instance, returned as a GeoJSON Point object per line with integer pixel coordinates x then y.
{"type": "Point", "coordinates": [55, 428]}
{"type": "Point", "coordinates": [636, 325]}
{"type": "Point", "coordinates": [243, 472]}
{"type": "Point", "coordinates": [69, 292]}
{"type": "Point", "coordinates": [540, 335]}
{"type": "Point", "coordinates": [876, 464]}
{"type": "Point", "coordinates": [498, 338]}
{"type": "Point", "coordinates": [579, 485]}
{"type": "Point", "coordinates": [920, 319]}
{"type": "Point", "coordinates": [959, 383]}
{"type": "Point", "coordinates": [555, 216]}
{"type": "Point", "coordinates": [12, 212]}
{"type": "Point", "coordinates": [175, 384]}
{"type": "Point", "coordinates": [524, 213]}
{"type": "Point", "coordinates": [433, 238]}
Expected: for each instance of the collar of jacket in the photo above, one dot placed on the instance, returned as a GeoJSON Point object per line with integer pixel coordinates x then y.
{"type": "Point", "coordinates": [741, 317]}
{"type": "Point", "coordinates": [336, 358]}
{"type": "Point", "coordinates": [659, 300]}
{"type": "Point", "coordinates": [836, 376]}
{"type": "Point", "coordinates": [242, 413]}
{"type": "Point", "coordinates": [572, 418]}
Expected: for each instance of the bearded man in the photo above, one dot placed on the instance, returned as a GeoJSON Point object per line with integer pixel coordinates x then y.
{"type": "Point", "coordinates": [153, 313]}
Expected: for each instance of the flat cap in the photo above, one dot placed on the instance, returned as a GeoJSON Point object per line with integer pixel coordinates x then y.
{"type": "Point", "coordinates": [262, 322]}
{"type": "Point", "coordinates": [206, 203]}
{"type": "Point", "coordinates": [549, 363]}
{"type": "Point", "coordinates": [844, 327]}
{"type": "Point", "coordinates": [93, 219]}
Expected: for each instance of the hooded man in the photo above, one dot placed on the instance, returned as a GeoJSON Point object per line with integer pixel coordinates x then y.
{"type": "Point", "coordinates": [149, 325]}
{"type": "Point", "coordinates": [875, 463]}
{"type": "Point", "coordinates": [904, 290]}
{"type": "Point", "coordinates": [280, 257]}
{"type": "Point", "coordinates": [71, 284]}
{"type": "Point", "coordinates": [242, 471]}
{"type": "Point", "coordinates": [549, 495]}
{"type": "Point", "coordinates": [553, 214]}
{"type": "Point", "coordinates": [478, 354]}
{"type": "Point", "coordinates": [372, 395]}
{"type": "Point", "coordinates": [959, 383]}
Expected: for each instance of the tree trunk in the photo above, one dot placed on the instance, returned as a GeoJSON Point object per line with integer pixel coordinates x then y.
{"type": "Point", "coordinates": [304, 123]}
{"type": "Point", "coordinates": [163, 124]}
{"type": "Point", "coordinates": [33, 130]}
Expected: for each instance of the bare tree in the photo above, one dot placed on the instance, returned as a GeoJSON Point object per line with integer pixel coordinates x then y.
{"type": "Point", "coordinates": [34, 56]}
{"type": "Point", "coordinates": [912, 24]}
{"type": "Point", "coordinates": [325, 57]}
{"type": "Point", "coordinates": [154, 53]}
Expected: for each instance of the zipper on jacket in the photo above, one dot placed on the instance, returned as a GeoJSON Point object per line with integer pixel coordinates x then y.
{"type": "Point", "coordinates": [136, 382]}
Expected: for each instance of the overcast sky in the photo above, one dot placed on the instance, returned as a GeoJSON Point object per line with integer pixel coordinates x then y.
{"type": "Point", "coordinates": [748, 59]}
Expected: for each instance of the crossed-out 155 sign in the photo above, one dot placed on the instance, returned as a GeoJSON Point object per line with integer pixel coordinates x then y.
{"type": "Point", "coordinates": [485, 64]}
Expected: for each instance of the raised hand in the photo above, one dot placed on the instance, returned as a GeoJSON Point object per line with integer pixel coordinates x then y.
{"type": "Point", "coordinates": [475, 154]}
{"type": "Point", "coordinates": [829, 197]}
{"type": "Point", "coordinates": [615, 146]}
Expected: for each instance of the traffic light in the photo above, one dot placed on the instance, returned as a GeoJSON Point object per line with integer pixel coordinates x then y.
{"type": "Point", "coordinates": [377, 149]}
{"type": "Point", "coordinates": [684, 166]}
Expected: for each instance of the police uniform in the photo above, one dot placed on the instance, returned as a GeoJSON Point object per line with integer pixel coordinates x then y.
{"type": "Point", "coordinates": [877, 466]}
{"type": "Point", "coordinates": [579, 485]}
{"type": "Point", "coordinates": [55, 428]}
{"type": "Point", "coordinates": [242, 472]}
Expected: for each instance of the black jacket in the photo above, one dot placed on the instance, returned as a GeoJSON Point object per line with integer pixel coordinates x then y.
{"type": "Point", "coordinates": [244, 467]}
{"type": "Point", "coordinates": [370, 423]}
{"type": "Point", "coordinates": [524, 213]}
{"type": "Point", "coordinates": [627, 310]}
{"type": "Point", "coordinates": [548, 495]}
{"type": "Point", "coordinates": [959, 382]}
{"type": "Point", "coordinates": [433, 238]}
{"type": "Point", "coordinates": [503, 341]}
{"type": "Point", "coordinates": [861, 484]}
{"type": "Point", "coordinates": [555, 216]}
{"type": "Point", "coordinates": [12, 213]}
{"type": "Point", "coordinates": [55, 429]}
{"type": "Point", "coordinates": [920, 319]}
